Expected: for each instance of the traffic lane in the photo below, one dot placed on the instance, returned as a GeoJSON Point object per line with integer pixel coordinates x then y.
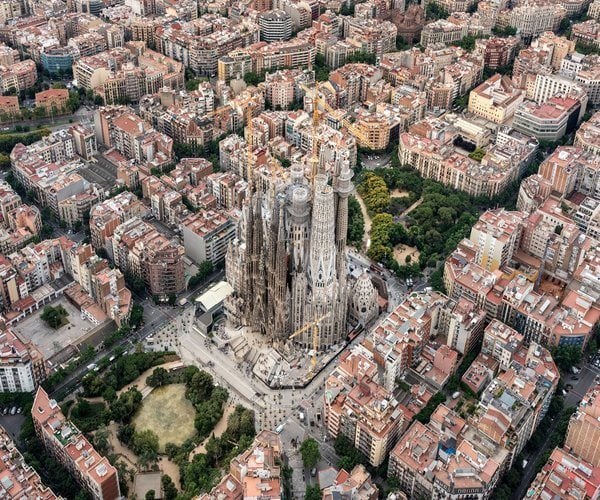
{"type": "Point", "coordinates": [585, 379]}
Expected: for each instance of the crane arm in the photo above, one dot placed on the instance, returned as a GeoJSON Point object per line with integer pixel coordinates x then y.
{"type": "Point", "coordinates": [355, 131]}
{"type": "Point", "coordinates": [308, 326]}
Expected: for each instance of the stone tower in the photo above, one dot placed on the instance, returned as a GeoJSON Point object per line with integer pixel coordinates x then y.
{"type": "Point", "coordinates": [288, 266]}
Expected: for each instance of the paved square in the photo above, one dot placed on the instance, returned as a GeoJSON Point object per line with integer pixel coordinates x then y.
{"type": "Point", "coordinates": [51, 341]}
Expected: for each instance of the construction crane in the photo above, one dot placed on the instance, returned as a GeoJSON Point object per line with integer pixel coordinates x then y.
{"type": "Point", "coordinates": [246, 108]}
{"type": "Point", "coordinates": [315, 337]}
{"type": "Point", "coordinates": [318, 99]}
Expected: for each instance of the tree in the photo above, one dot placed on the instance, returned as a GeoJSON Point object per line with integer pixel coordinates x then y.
{"type": "Point", "coordinates": [137, 315]}
{"type": "Point", "coordinates": [200, 387]}
{"type": "Point", "coordinates": [362, 57]}
{"type": "Point", "coordinates": [136, 283]}
{"type": "Point", "coordinates": [54, 317]}
{"type": "Point", "coordinates": [309, 449]}
{"type": "Point", "coordinates": [567, 356]}
{"type": "Point", "coordinates": [145, 445]}
{"type": "Point", "coordinates": [435, 11]}
{"type": "Point", "coordinates": [467, 43]}
{"type": "Point", "coordinates": [123, 408]}
{"type": "Point", "coordinates": [159, 377]}
{"type": "Point", "coordinates": [313, 492]}
{"type": "Point", "coordinates": [321, 69]}
{"type": "Point", "coordinates": [374, 193]}
{"type": "Point", "coordinates": [4, 161]}
{"type": "Point", "coordinates": [125, 433]}
{"type": "Point", "coordinates": [477, 155]}
{"type": "Point", "coordinates": [252, 78]}
{"type": "Point", "coordinates": [504, 32]}
{"type": "Point", "coordinates": [356, 222]}
{"type": "Point", "coordinates": [150, 495]}
{"type": "Point", "coordinates": [169, 488]}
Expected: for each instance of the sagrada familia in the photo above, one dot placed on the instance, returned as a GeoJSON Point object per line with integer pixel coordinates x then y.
{"type": "Point", "coordinates": [288, 266]}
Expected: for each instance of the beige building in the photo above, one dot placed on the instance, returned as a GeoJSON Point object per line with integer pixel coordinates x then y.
{"type": "Point", "coordinates": [68, 445]}
{"type": "Point", "coordinates": [583, 435]}
{"type": "Point", "coordinates": [496, 99]}
{"type": "Point", "coordinates": [357, 407]}
{"type": "Point", "coordinates": [52, 100]}
{"type": "Point", "coordinates": [496, 236]}
{"type": "Point", "coordinates": [9, 105]}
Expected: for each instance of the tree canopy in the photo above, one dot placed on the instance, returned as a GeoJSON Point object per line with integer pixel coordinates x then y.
{"type": "Point", "coordinates": [309, 449]}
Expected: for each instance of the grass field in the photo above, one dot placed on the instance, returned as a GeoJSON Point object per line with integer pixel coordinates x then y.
{"type": "Point", "coordinates": [168, 413]}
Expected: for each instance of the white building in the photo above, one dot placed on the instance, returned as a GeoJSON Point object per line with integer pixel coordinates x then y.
{"type": "Point", "coordinates": [22, 366]}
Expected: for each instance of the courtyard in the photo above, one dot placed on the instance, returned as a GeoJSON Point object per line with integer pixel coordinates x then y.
{"type": "Point", "coordinates": [49, 340]}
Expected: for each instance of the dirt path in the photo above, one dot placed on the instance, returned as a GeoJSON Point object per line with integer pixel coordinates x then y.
{"type": "Point", "coordinates": [363, 209]}
{"type": "Point", "coordinates": [130, 459]}
{"type": "Point", "coordinates": [412, 207]}
{"type": "Point", "coordinates": [217, 431]}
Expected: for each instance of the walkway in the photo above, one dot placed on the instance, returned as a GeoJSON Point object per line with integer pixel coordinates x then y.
{"type": "Point", "coordinates": [367, 232]}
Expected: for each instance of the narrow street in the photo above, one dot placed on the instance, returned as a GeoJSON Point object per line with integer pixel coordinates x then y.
{"type": "Point", "coordinates": [582, 383]}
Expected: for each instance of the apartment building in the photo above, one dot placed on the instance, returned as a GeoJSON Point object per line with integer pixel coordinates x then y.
{"type": "Point", "coordinates": [106, 216]}
{"type": "Point", "coordinates": [233, 65]}
{"type": "Point", "coordinates": [442, 31]}
{"type": "Point", "coordinates": [360, 409]}
{"type": "Point", "coordinates": [137, 248]}
{"type": "Point", "coordinates": [69, 446]}
{"type": "Point", "coordinates": [569, 168]}
{"type": "Point", "coordinates": [397, 341]}
{"type": "Point", "coordinates": [371, 35]}
{"type": "Point", "coordinates": [19, 223]}
{"type": "Point", "coordinates": [118, 127]}
{"type": "Point", "coordinates": [496, 99]}
{"type": "Point", "coordinates": [284, 88]}
{"type": "Point", "coordinates": [587, 33]}
{"type": "Point", "coordinates": [583, 434]}
{"type": "Point", "coordinates": [567, 477]}
{"type": "Point", "coordinates": [589, 79]}
{"type": "Point", "coordinates": [515, 402]}
{"type": "Point", "coordinates": [428, 147]}
{"type": "Point", "coordinates": [17, 478]}
{"type": "Point", "coordinates": [501, 342]}
{"type": "Point", "coordinates": [480, 373]}
{"type": "Point", "coordinates": [206, 236]}
{"type": "Point", "coordinates": [587, 136]}
{"type": "Point", "coordinates": [497, 235]}
{"type": "Point", "coordinates": [11, 9]}
{"type": "Point", "coordinates": [22, 365]}
{"type": "Point", "coordinates": [594, 10]}
{"type": "Point", "coordinates": [105, 286]}
{"type": "Point", "coordinates": [9, 105]}
{"type": "Point", "coordinates": [498, 51]}
{"type": "Point", "coordinates": [461, 322]}
{"type": "Point", "coordinates": [52, 100]}
{"type": "Point", "coordinates": [18, 76]}
{"type": "Point", "coordinates": [534, 190]}
{"type": "Point", "coordinates": [254, 473]}
{"type": "Point", "coordinates": [549, 85]}
{"type": "Point", "coordinates": [92, 71]}
{"type": "Point", "coordinates": [532, 19]}
{"type": "Point", "coordinates": [357, 483]}
{"type": "Point", "coordinates": [275, 25]}
{"type": "Point", "coordinates": [441, 460]}
{"type": "Point", "coordinates": [548, 121]}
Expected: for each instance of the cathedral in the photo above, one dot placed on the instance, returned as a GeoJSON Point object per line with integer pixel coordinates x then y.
{"type": "Point", "coordinates": [288, 266]}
